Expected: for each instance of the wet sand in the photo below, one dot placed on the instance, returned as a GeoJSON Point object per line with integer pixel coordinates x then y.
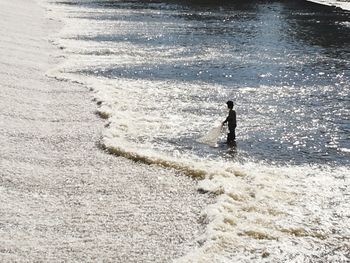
{"type": "Point", "coordinates": [61, 197]}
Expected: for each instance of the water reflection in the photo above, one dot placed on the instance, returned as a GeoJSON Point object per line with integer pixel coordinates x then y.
{"type": "Point", "coordinates": [318, 26]}
{"type": "Point", "coordinates": [287, 64]}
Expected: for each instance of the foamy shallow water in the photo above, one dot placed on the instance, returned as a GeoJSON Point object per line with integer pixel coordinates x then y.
{"type": "Point", "coordinates": [161, 73]}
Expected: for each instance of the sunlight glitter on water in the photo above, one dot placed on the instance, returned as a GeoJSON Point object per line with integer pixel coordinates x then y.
{"type": "Point", "coordinates": [161, 74]}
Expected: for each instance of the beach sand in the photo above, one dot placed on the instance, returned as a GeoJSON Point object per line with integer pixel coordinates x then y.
{"type": "Point", "coordinates": [61, 197]}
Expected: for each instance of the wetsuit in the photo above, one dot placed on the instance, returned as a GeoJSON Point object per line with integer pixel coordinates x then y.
{"type": "Point", "coordinates": [231, 120]}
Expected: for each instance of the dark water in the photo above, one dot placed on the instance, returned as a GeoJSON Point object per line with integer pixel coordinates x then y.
{"type": "Point", "coordinates": [286, 64]}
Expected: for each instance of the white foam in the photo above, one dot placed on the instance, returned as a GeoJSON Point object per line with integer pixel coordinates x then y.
{"type": "Point", "coordinates": [263, 212]}
{"type": "Point", "coordinates": [62, 198]}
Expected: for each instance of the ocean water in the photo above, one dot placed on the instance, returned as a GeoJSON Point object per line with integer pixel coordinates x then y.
{"type": "Point", "coordinates": [161, 72]}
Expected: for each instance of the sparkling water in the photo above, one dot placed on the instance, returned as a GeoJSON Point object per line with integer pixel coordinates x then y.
{"type": "Point", "coordinates": [161, 73]}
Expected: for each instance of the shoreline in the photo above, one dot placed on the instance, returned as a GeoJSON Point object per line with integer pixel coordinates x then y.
{"type": "Point", "coordinates": [333, 3]}
{"type": "Point", "coordinates": [63, 198]}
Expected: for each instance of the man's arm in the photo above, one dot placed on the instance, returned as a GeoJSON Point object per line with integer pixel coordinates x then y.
{"type": "Point", "coordinates": [231, 118]}
{"type": "Point", "coordinates": [225, 120]}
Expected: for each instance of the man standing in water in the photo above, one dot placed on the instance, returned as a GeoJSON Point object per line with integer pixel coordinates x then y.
{"type": "Point", "coordinates": [231, 120]}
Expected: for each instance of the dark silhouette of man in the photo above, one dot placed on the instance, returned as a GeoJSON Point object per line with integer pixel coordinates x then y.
{"type": "Point", "coordinates": [231, 122]}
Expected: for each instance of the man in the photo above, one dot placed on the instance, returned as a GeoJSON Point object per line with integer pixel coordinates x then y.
{"type": "Point", "coordinates": [231, 120]}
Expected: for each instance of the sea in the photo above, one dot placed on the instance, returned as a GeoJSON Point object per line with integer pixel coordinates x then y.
{"type": "Point", "coordinates": [161, 73]}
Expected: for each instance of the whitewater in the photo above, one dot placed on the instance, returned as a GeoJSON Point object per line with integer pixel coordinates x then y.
{"type": "Point", "coordinates": [159, 75]}
{"type": "Point", "coordinates": [63, 199]}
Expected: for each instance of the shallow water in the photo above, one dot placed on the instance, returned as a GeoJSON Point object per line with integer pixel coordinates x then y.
{"type": "Point", "coordinates": [162, 72]}
{"type": "Point", "coordinates": [286, 66]}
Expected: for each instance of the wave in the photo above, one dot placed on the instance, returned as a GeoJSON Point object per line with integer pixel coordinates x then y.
{"type": "Point", "coordinates": [263, 212]}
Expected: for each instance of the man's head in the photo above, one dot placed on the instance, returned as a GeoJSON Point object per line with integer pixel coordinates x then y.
{"type": "Point", "coordinates": [230, 104]}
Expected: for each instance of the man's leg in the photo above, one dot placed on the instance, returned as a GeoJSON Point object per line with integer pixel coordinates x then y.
{"type": "Point", "coordinates": [231, 137]}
